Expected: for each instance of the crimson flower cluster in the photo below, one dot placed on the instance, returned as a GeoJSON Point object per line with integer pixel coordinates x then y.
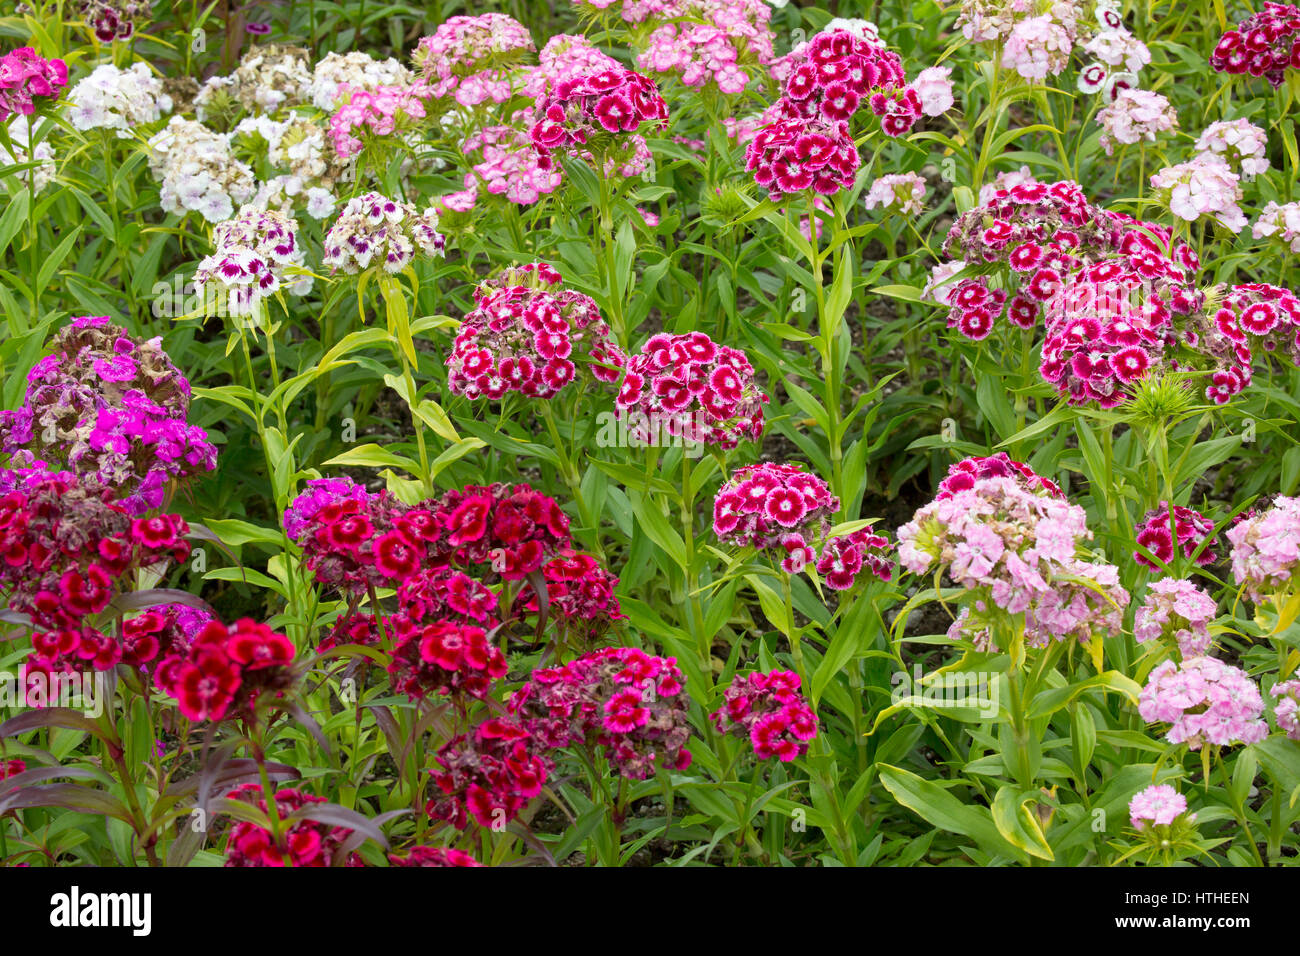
{"type": "Point", "coordinates": [66, 545]}
{"type": "Point", "coordinates": [1265, 314]}
{"type": "Point", "coordinates": [689, 387]}
{"type": "Point", "coordinates": [433, 856]}
{"type": "Point", "coordinates": [512, 528]}
{"type": "Point", "coordinates": [777, 506]}
{"type": "Point", "coordinates": [631, 703]}
{"type": "Point", "coordinates": [769, 711]}
{"type": "Point", "coordinates": [837, 73]}
{"type": "Point", "coordinates": [356, 540]}
{"type": "Point", "coordinates": [445, 658]}
{"type": "Point", "coordinates": [963, 475]}
{"type": "Point", "coordinates": [489, 775]}
{"type": "Point", "coordinates": [224, 671]}
{"type": "Point", "coordinates": [1191, 527]}
{"type": "Point", "coordinates": [1265, 44]}
{"type": "Point", "coordinates": [1111, 324]}
{"type": "Point", "coordinates": [791, 156]}
{"type": "Point", "coordinates": [525, 335]}
{"type": "Point", "coordinates": [846, 556]}
{"type": "Point", "coordinates": [590, 113]}
{"type": "Point", "coordinates": [107, 404]}
{"type": "Point", "coordinates": [442, 593]}
{"type": "Point", "coordinates": [11, 768]}
{"type": "Point", "coordinates": [581, 595]}
{"type": "Point", "coordinates": [304, 843]}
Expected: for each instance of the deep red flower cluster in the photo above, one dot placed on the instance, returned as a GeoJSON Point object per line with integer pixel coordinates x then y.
{"type": "Point", "coordinates": [778, 506]}
{"type": "Point", "coordinates": [792, 156]}
{"type": "Point", "coordinates": [11, 768]}
{"type": "Point", "coordinates": [581, 596]}
{"type": "Point", "coordinates": [356, 627]}
{"type": "Point", "coordinates": [839, 73]}
{"type": "Point", "coordinates": [489, 775]}
{"type": "Point", "coordinates": [591, 112]}
{"type": "Point", "coordinates": [433, 856]}
{"type": "Point", "coordinates": [1265, 44]}
{"type": "Point", "coordinates": [769, 710]}
{"type": "Point", "coordinates": [846, 556]}
{"type": "Point", "coordinates": [963, 474]}
{"type": "Point", "coordinates": [224, 671]}
{"type": "Point", "coordinates": [443, 594]}
{"type": "Point", "coordinates": [357, 541]}
{"type": "Point", "coordinates": [67, 546]}
{"type": "Point", "coordinates": [629, 702]}
{"type": "Point", "coordinates": [512, 528]}
{"type": "Point", "coordinates": [152, 635]}
{"type": "Point", "coordinates": [304, 843]}
{"type": "Point", "coordinates": [688, 387]}
{"type": "Point", "coordinates": [525, 335]}
{"type": "Point", "coordinates": [1191, 527]}
{"type": "Point", "coordinates": [445, 658]}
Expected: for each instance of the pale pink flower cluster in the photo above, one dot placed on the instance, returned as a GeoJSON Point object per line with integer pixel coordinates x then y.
{"type": "Point", "coordinates": [336, 72]}
{"type": "Point", "coordinates": [1239, 141]}
{"type": "Point", "coordinates": [1117, 47]}
{"type": "Point", "coordinates": [1287, 709]}
{"type": "Point", "coordinates": [1019, 550]}
{"type": "Point", "coordinates": [471, 58]}
{"type": "Point", "coordinates": [934, 88]}
{"type": "Point", "coordinates": [507, 165]}
{"type": "Point", "coordinates": [1266, 548]}
{"type": "Point", "coordinates": [711, 42]}
{"type": "Point", "coordinates": [1203, 187]}
{"type": "Point", "coordinates": [1179, 609]}
{"type": "Point", "coordinates": [1204, 701]}
{"type": "Point", "coordinates": [940, 286]}
{"type": "Point", "coordinates": [1158, 805]}
{"type": "Point", "coordinates": [1038, 47]}
{"type": "Point", "coordinates": [379, 112]}
{"type": "Point", "coordinates": [1135, 116]}
{"type": "Point", "coordinates": [903, 190]}
{"type": "Point", "coordinates": [1280, 221]}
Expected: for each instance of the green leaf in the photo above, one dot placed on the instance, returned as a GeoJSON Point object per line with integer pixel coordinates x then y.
{"type": "Point", "coordinates": [938, 807]}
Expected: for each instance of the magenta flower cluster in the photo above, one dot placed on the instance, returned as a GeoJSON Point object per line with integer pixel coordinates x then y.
{"type": "Point", "coordinates": [775, 506]}
{"type": "Point", "coordinates": [592, 114]}
{"type": "Point", "coordinates": [768, 710]}
{"type": "Point", "coordinates": [29, 82]}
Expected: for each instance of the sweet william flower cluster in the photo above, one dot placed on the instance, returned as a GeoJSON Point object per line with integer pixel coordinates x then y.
{"type": "Point", "coordinates": [374, 231]}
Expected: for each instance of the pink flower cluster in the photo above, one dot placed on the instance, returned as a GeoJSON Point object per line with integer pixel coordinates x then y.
{"type": "Point", "coordinates": [1158, 805]}
{"type": "Point", "coordinates": [508, 165]}
{"type": "Point", "coordinates": [846, 556]}
{"type": "Point", "coordinates": [770, 712]}
{"type": "Point", "coordinates": [791, 156]}
{"type": "Point", "coordinates": [963, 474]}
{"type": "Point", "coordinates": [488, 775]}
{"type": "Point", "coordinates": [28, 82]}
{"type": "Point", "coordinates": [1191, 528]}
{"type": "Point", "coordinates": [903, 190]}
{"type": "Point", "coordinates": [226, 672]}
{"type": "Point", "coordinates": [304, 843]}
{"type": "Point", "coordinates": [1135, 116]}
{"type": "Point", "coordinates": [383, 111]}
{"type": "Point", "coordinates": [108, 405]}
{"type": "Point", "coordinates": [591, 114]}
{"type": "Point", "coordinates": [1266, 548]}
{"type": "Point", "coordinates": [711, 43]}
{"type": "Point", "coordinates": [565, 56]}
{"type": "Point", "coordinates": [688, 386]}
{"type": "Point", "coordinates": [775, 506]}
{"type": "Point", "coordinates": [527, 335]}
{"type": "Point", "coordinates": [1287, 709]}
{"type": "Point", "coordinates": [433, 856]}
{"type": "Point", "coordinates": [1019, 550]}
{"type": "Point", "coordinates": [1039, 46]}
{"type": "Point", "coordinates": [472, 58]}
{"type": "Point", "coordinates": [837, 73]}
{"type": "Point", "coordinates": [1204, 701]}
{"type": "Point", "coordinates": [581, 596]}
{"type": "Point", "coordinates": [1178, 609]}
{"type": "Point", "coordinates": [631, 703]}
{"type": "Point", "coordinates": [1265, 44]}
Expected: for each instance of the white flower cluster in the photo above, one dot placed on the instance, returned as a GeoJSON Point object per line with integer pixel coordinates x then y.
{"type": "Point", "coordinates": [267, 79]}
{"type": "Point", "coordinates": [373, 230]}
{"type": "Point", "coordinates": [356, 70]}
{"type": "Point", "coordinates": [1281, 221]}
{"type": "Point", "coordinates": [119, 100]}
{"type": "Point", "coordinates": [252, 258]}
{"type": "Point", "coordinates": [1237, 140]}
{"type": "Point", "coordinates": [20, 137]}
{"type": "Point", "coordinates": [198, 171]}
{"type": "Point", "coordinates": [1205, 186]}
{"type": "Point", "coordinates": [310, 170]}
